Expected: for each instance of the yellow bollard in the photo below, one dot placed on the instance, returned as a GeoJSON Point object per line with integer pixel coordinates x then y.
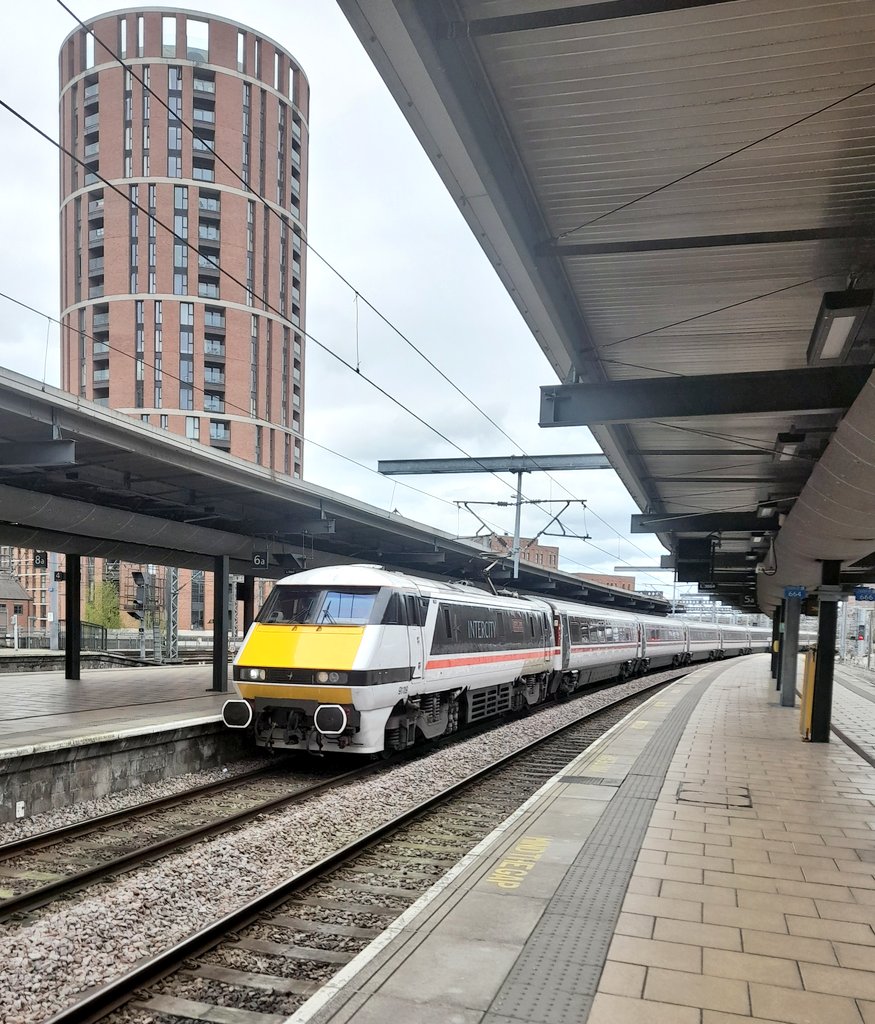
{"type": "Point", "coordinates": [807, 694]}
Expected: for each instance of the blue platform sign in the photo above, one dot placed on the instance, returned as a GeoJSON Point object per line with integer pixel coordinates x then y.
{"type": "Point", "coordinates": [800, 592]}
{"type": "Point", "coordinates": [864, 593]}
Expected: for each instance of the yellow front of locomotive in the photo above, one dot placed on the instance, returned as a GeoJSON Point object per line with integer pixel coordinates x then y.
{"type": "Point", "coordinates": [318, 669]}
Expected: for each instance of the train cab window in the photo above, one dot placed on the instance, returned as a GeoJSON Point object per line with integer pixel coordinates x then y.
{"type": "Point", "coordinates": [417, 609]}
{"type": "Point", "coordinates": [394, 612]}
{"type": "Point", "coordinates": [609, 634]}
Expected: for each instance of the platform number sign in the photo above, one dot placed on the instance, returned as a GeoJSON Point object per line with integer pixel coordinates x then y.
{"type": "Point", "coordinates": [800, 592]}
{"type": "Point", "coordinates": [259, 559]}
{"type": "Point", "coordinates": [40, 560]}
{"type": "Point", "coordinates": [864, 593]}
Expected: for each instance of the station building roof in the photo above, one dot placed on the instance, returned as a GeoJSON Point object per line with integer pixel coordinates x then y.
{"type": "Point", "coordinates": [78, 478]}
{"type": "Point", "coordinates": [667, 189]}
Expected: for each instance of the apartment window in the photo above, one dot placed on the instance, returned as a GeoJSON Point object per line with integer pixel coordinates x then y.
{"type": "Point", "coordinates": [276, 70]}
{"type": "Point", "coordinates": [253, 366]}
{"type": "Point", "coordinates": [164, 421]}
{"type": "Point", "coordinates": [258, 444]}
{"type": "Point", "coordinates": [89, 50]}
{"type": "Point", "coordinates": [186, 397]}
{"type": "Point", "coordinates": [209, 202]}
{"type": "Point", "coordinates": [197, 39]}
{"type": "Point", "coordinates": [123, 36]}
{"type": "Point", "coordinates": [168, 36]}
{"type": "Point", "coordinates": [134, 192]}
{"type": "Point", "coordinates": [141, 35]}
{"type": "Point", "coordinates": [192, 428]}
{"type": "Point", "coordinates": [241, 51]}
{"type": "Point", "coordinates": [258, 58]}
{"type": "Point", "coordinates": [144, 417]}
{"type": "Point", "coordinates": [197, 599]}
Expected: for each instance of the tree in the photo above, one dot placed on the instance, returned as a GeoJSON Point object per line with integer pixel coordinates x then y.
{"type": "Point", "coordinates": [103, 609]}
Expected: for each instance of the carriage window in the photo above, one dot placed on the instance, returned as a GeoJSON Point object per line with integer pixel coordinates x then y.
{"type": "Point", "coordinates": [609, 634]}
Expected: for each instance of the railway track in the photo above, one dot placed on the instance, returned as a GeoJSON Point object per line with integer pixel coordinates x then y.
{"type": "Point", "coordinates": [41, 868]}
{"type": "Point", "coordinates": [258, 964]}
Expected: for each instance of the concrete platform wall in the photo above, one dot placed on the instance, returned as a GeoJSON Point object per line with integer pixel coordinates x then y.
{"type": "Point", "coordinates": [50, 779]}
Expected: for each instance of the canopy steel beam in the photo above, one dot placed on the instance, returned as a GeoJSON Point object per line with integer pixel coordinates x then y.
{"type": "Point", "coordinates": [499, 464]}
{"type": "Point", "coordinates": [707, 522]}
{"type": "Point", "coordinates": [729, 394]}
{"type": "Point", "coordinates": [578, 14]}
{"type": "Point", "coordinates": [713, 241]}
{"type": "Point", "coordinates": [37, 453]}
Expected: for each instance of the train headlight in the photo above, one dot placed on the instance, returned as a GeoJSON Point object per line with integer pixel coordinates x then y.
{"type": "Point", "coordinates": [257, 674]}
{"type": "Point", "coordinates": [331, 677]}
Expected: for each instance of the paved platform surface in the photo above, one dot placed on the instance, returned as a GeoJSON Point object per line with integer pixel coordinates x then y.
{"type": "Point", "coordinates": [39, 710]}
{"type": "Point", "coordinates": [699, 865]}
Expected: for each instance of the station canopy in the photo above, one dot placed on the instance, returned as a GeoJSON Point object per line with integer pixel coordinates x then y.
{"type": "Point", "coordinates": [85, 480]}
{"type": "Point", "coordinates": [679, 196]}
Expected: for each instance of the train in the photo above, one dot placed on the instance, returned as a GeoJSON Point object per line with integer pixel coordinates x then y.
{"type": "Point", "coordinates": [365, 660]}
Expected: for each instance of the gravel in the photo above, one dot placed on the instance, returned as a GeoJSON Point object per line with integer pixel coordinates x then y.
{"type": "Point", "coordinates": [14, 830]}
{"type": "Point", "coordinates": [76, 945]}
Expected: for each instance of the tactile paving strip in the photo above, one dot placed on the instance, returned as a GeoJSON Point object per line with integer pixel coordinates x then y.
{"type": "Point", "coordinates": [591, 780]}
{"type": "Point", "coordinates": [556, 975]}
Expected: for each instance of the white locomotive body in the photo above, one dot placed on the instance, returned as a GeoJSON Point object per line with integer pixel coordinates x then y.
{"type": "Point", "coordinates": [361, 659]}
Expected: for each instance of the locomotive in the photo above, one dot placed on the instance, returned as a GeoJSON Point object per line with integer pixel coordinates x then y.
{"type": "Point", "coordinates": [361, 659]}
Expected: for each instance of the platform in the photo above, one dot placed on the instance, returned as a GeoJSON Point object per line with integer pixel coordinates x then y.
{"type": "Point", "coordinates": [39, 709]}
{"type": "Point", "coordinates": [699, 865]}
{"type": "Point", "coordinates": [64, 742]}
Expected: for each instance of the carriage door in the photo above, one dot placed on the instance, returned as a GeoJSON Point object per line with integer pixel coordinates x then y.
{"type": "Point", "coordinates": [563, 628]}
{"type": "Point", "coordinates": [417, 608]}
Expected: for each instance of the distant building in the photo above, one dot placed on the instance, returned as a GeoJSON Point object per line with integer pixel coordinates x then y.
{"type": "Point", "coordinates": [607, 580]}
{"type": "Point", "coordinates": [532, 553]}
{"type": "Point", "coordinates": [201, 334]}
{"type": "Point", "coordinates": [15, 603]}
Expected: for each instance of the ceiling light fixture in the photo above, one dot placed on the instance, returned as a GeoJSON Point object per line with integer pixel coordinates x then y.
{"type": "Point", "coordinates": [839, 318]}
{"type": "Point", "coordinates": [787, 445]}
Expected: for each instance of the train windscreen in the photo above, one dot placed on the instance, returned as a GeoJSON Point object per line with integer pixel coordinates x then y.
{"type": "Point", "coordinates": [347, 606]}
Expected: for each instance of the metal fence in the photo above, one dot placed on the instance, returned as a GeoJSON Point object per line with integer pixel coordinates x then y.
{"type": "Point", "coordinates": [94, 638]}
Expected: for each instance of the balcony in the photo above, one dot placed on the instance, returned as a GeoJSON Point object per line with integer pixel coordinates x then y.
{"type": "Point", "coordinates": [207, 289]}
{"type": "Point", "coordinates": [208, 263]}
{"type": "Point", "coordinates": [214, 375]}
{"type": "Point", "coordinates": [91, 92]}
{"type": "Point", "coordinates": [203, 173]}
{"type": "Point", "coordinates": [100, 321]}
{"type": "Point", "coordinates": [95, 267]}
{"type": "Point", "coordinates": [91, 123]}
{"type": "Point", "coordinates": [203, 85]}
{"type": "Point", "coordinates": [214, 349]}
{"type": "Point", "coordinates": [95, 208]}
{"type": "Point", "coordinates": [101, 376]}
{"type": "Point", "coordinates": [92, 149]}
{"type": "Point", "coordinates": [203, 116]}
{"type": "Point", "coordinates": [95, 235]}
{"type": "Point", "coordinates": [296, 130]}
{"type": "Point", "coordinates": [95, 291]}
{"type": "Point", "coordinates": [100, 348]}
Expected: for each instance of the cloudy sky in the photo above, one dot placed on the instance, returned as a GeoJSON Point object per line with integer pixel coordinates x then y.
{"type": "Point", "coordinates": [379, 214]}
